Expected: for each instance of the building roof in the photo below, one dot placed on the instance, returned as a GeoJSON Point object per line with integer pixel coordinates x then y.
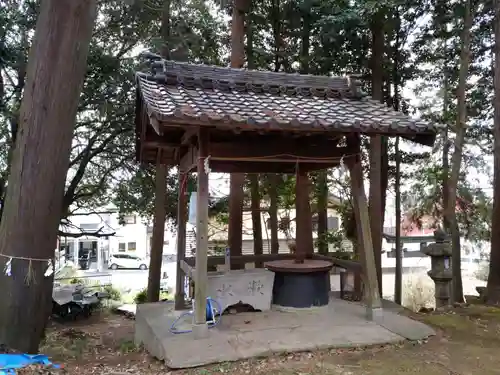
{"type": "Point", "coordinates": [181, 93]}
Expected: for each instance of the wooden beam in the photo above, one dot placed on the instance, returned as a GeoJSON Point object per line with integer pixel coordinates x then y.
{"type": "Point", "coordinates": [189, 160]}
{"type": "Point", "coordinates": [265, 167]}
{"type": "Point", "coordinates": [242, 259]}
{"type": "Point", "coordinates": [188, 270]}
{"type": "Point", "coordinates": [200, 328]}
{"type": "Point", "coordinates": [360, 206]}
{"type": "Point", "coordinates": [155, 143]}
{"type": "Point", "coordinates": [181, 242]}
{"type": "Point", "coordinates": [156, 125]}
{"type": "Point", "coordinates": [188, 136]}
{"type": "Point", "coordinates": [269, 150]}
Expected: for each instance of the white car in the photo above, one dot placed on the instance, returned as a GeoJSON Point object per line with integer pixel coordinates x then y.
{"type": "Point", "coordinates": [130, 261]}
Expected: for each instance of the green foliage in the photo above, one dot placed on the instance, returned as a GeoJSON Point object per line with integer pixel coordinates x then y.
{"type": "Point", "coordinates": [424, 200]}
{"type": "Point", "coordinates": [334, 238]}
{"type": "Point", "coordinates": [103, 153]}
{"type": "Point", "coordinates": [113, 293]}
{"type": "Point", "coordinates": [141, 297]}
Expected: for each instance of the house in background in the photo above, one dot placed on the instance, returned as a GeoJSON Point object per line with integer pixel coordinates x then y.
{"type": "Point", "coordinates": [96, 235]}
{"type": "Point", "coordinates": [218, 233]}
{"type": "Point", "coordinates": [415, 236]}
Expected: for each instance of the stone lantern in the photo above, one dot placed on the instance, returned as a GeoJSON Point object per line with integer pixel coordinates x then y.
{"type": "Point", "coordinates": [440, 273]}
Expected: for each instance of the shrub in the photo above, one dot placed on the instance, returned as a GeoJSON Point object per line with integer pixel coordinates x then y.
{"type": "Point", "coordinates": [418, 292]}
{"type": "Point", "coordinates": [141, 297]}
{"type": "Point", "coordinates": [113, 293]}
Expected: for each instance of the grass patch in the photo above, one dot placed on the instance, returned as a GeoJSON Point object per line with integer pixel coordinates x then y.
{"type": "Point", "coordinates": [68, 343]}
{"type": "Point", "coordinates": [127, 346]}
{"type": "Point", "coordinates": [449, 322]}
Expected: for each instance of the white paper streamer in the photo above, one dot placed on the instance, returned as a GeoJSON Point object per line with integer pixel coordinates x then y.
{"type": "Point", "coordinates": [8, 267]}
{"type": "Point", "coordinates": [50, 269]}
{"type": "Point", "coordinates": [207, 165]}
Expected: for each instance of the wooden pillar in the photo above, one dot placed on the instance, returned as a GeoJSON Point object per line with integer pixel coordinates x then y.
{"type": "Point", "coordinates": [200, 328]}
{"type": "Point", "coordinates": [360, 206]}
{"type": "Point", "coordinates": [154, 276]}
{"type": "Point", "coordinates": [398, 281]}
{"type": "Point", "coordinates": [181, 242]}
{"type": "Point", "coordinates": [376, 206]}
{"type": "Point", "coordinates": [303, 220]}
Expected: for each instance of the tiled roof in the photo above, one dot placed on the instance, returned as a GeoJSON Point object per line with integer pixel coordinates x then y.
{"type": "Point", "coordinates": [227, 97]}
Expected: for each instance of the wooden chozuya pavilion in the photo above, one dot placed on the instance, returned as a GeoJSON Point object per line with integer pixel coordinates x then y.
{"type": "Point", "coordinates": [206, 118]}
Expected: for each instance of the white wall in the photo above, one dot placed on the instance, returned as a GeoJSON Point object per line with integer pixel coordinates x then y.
{"type": "Point", "coordinates": [126, 234]}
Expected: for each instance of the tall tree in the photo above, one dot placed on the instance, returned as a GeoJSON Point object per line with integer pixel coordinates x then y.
{"type": "Point", "coordinates": [155, 262]}
{"type": "Point", "coordinates": [493, 286]}
{"type": "Point", "coordinates": [33, 203]}
{"type": "Point", "coordinates": [237, 180]}
{"type": "Point", "coordinates": [377, 143]}
{"type": "Point", "coordinates": [258, 245]}
{"type": "Point", "coordinates": [456, 160]}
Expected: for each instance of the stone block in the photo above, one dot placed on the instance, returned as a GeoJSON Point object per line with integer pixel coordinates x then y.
{"type": "Point", "coordinates": [253, 287]}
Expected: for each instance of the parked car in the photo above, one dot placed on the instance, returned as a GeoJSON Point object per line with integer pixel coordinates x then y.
{"type": "Point", "coordinates": [127, 261]}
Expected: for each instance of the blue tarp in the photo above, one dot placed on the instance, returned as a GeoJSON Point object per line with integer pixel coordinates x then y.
{"type": "Point", "coordinates": [10, 362]}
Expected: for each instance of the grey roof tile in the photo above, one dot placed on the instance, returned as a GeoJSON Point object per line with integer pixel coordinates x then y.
{"type": "Point", "coordinates": [260, 99]}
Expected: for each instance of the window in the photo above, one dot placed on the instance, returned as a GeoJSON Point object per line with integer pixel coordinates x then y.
{"type": "Point", "coordinates": [131, 246]}
{"type": "Point", "coordinates": [333, 223]}
{"type": "Point", "coordinates": [122, 246]}
{"type": "Point", "coordinates": [129, 219]}
{"type": "Point", "coordinates": [89, 227]}
{"type": "Point", "coordinates": [314, 220]}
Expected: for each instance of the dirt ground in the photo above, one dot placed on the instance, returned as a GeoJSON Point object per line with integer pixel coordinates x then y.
{"type": "Point", "coordinates": [467, 343]}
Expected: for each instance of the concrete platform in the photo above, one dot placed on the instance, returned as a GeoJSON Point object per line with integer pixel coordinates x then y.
{"type": "Point", "coordinates": [246, 335]}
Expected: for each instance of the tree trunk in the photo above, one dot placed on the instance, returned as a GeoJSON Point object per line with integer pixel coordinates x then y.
{"type": "Point", "coordinates": [398, 280]}
{"type": "Point", "coordinates": [14, 118]}
{"type": "Point", "coordinates": [256, 222]}
{"type": "Point", "coordinates": [376, 147]}
{"type": "Point", "coordinates": [456, 159]}
{"type": "Point", "coordinates": [273, 212]}
{"type": "Point", "coordinates": [155, 261]}
{"type": "Point", "coordinates": [322, 197]}
{"type": "Point", "coordinates": [236, 180]}
{"type": "Point", "coordinates": [493, 286]}
{"type": "Point", "coordinates": [156, 256]}
{"type": "Point", "coordinates": [273, 178]}
{"type": "Point", "coordinates": [258, 245]}
{"type": "Point", "coordinates": [33, 203]}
